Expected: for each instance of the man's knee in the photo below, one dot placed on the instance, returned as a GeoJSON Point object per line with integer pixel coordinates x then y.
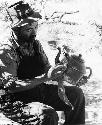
{"type": "Point", "coordinates": [77, 99]}
{"type": "Point", "coordinates": [50, 116]}
{"type": "Point", "coordinates": [78, 91]}
{"type": "Point", "coordinates": [75, 93]}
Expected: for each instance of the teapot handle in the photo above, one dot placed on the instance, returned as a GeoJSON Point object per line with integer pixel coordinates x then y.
{"type": "Point", "coordinates": [84, 79]}
{"type": "Point", "coordinates": [88, 68]}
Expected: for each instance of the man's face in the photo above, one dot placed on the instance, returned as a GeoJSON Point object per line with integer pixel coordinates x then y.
{"type": "Point", "coordinates": [29, 30]}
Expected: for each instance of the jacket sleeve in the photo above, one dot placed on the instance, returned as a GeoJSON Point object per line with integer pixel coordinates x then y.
{"type": "Point", "coordinates": [8, 63]}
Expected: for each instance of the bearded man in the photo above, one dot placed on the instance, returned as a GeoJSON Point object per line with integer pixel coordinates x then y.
{"type": "Point", "coordinates": [25, 70]}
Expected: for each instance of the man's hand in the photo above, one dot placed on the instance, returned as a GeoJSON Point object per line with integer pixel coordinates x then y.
{"type": "Point", "coordinates": [56, 72]}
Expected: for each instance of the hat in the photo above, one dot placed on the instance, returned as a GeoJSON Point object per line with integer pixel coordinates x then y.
{"type": "Point", "coordinates": [23, 10]}
{"type": "Point", "coordinates": [24, 22]}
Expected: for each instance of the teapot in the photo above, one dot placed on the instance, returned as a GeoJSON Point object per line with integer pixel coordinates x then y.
{"type": "Point", "coordinates": [76, 70]}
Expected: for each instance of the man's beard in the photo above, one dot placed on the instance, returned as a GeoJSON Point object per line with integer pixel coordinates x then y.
{"type": "Point", "coordinates": [26, 45]}
{"type": "Point", "coordinates": [23, 39]}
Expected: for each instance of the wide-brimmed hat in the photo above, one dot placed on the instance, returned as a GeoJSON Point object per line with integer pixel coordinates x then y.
{"type": "Point", "coordinates": [24, 10]}
{"type": "Point", "coordinates": [24, 22]}
{"type": "Point", "coordinates": [26, 15]}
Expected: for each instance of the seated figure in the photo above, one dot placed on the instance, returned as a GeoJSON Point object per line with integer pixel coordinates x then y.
{"type": "Point", "coordinates": [24, 73]}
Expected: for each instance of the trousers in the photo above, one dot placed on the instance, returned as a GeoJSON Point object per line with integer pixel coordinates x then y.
{"type": "Point", "coordinates": [48, 95]}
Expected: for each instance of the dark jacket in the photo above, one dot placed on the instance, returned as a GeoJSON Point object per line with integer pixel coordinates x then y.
{"type": "Point", "coordinates": [35, 65]}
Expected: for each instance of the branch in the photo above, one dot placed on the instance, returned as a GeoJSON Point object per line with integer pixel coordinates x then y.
{"type": "Point", "coordinates": [67, 13]}
{"type": "Point", "coordinates": [59, 15]}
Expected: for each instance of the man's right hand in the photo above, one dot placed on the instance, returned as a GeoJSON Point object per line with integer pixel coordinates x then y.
{"type": "Point", "coordinates": [56, 72]}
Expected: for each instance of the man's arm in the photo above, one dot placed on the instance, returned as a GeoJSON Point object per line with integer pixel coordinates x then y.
{"type": "Point", "coordinates": [54, 73]}
{"type": "Point", "coordinates": [9, 74]}
{"type": "Point", "coordinates": [22, 85]}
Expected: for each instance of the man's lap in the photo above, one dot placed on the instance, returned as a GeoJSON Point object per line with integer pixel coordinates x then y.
{"type": "Point", "coordinates": [51, 96]}
{"type": "Point", "coordinates": [50, 101]}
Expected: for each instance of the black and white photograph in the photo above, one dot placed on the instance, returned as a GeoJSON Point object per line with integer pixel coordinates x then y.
{"type": "Point", "coordinates": [50, 62]}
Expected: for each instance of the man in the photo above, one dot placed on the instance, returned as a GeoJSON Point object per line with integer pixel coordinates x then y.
{"type": "Point", "coordinates": [25, 70]}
